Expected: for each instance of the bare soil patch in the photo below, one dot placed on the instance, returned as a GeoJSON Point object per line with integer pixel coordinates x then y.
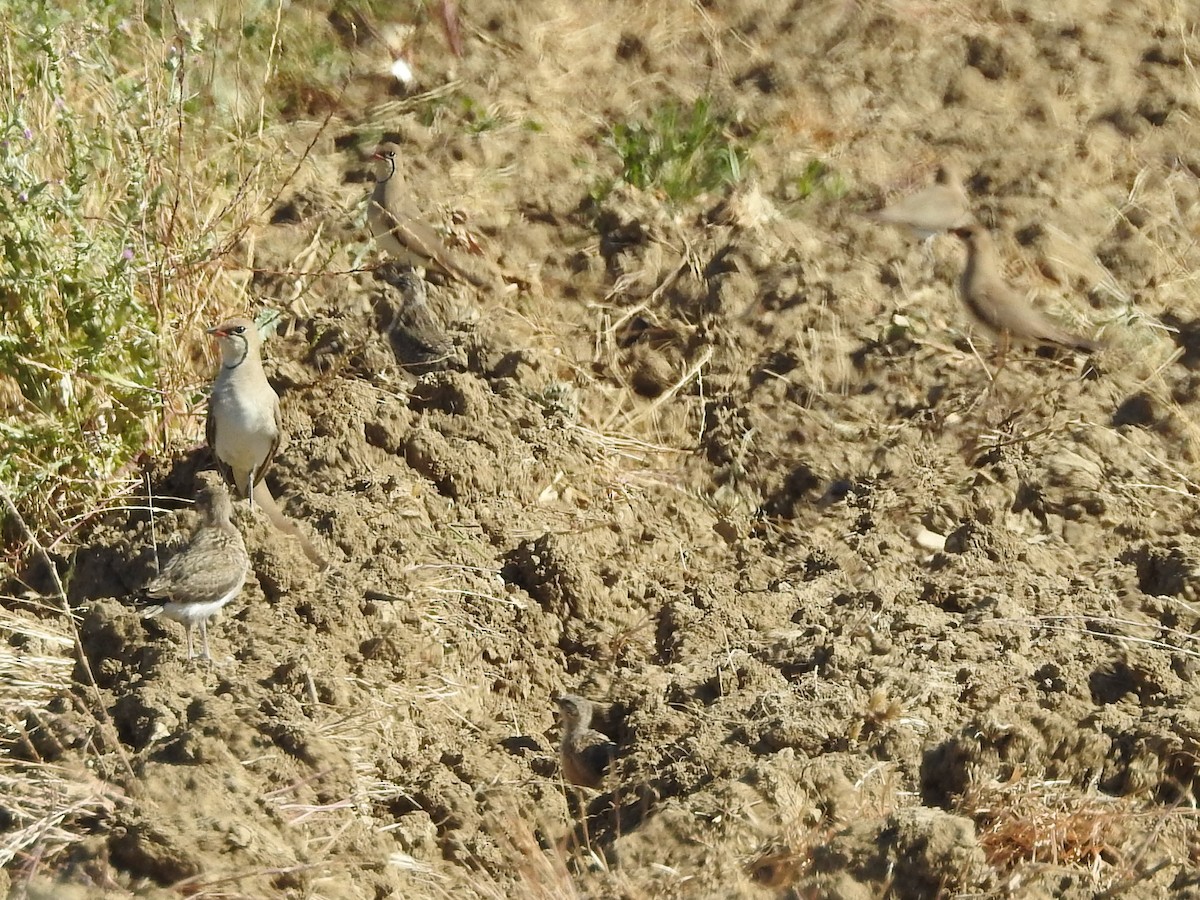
{"type": "Point", "coordinates": [864, 623]}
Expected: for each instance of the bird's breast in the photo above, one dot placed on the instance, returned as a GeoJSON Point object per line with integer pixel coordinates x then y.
{"type": "Point", "coordinates": [245, 423]}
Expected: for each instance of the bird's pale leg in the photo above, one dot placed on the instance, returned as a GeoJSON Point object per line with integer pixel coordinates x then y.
{"type": "Point", "coordinates": [204, 639]}
{"type": "Point", "coordinates": [187, 631]}
{"type": "Point", "coordinates": [982, 362]}
{"type": "Point", "coordinates": [250, 482]}
{"type": "Point", "coordinates": [927, 248]}
{"type": "Point", "coordinates": [1005, 346]}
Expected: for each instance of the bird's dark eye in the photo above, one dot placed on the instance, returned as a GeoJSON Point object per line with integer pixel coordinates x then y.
{"type": "Point", "coordinates": [240, 329]}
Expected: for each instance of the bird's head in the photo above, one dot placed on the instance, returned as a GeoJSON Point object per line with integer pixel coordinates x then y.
{"type": "Point", "coordinates": [212, 497]}
{"type": "Point", "coordinates": [386, 156]}
{"type": "Point", "coordinates": [574, 710]}
{"type": "Point", "coordinates": [237, 338]}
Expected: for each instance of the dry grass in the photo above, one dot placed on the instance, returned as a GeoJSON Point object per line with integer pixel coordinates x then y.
{"type": "Point", "coordinates": [183, 194]}
{"type": "Point", "coordinates": [1024, 824]}
{"type": "Point", "coordinates": [131, 202]}
{"type": "Point", "coordinates": [1046, 822]}
{"type": "Point", "coordinates": [45, 805]}
{"type": "Point", "coordinates": [537, 872]}
{"type": "Point", "coordinates": [125, 198]}
{"type": "Point", "coordinates": [48, 805]}
{"type": "Point", "coordinates": [48, 810]}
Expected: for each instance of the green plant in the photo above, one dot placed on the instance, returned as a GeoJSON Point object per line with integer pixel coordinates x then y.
{"type": "Point", "coordinates": [818, 178]}
{"type": "Point", "coordinates": [119, 202]}
{"type": "Point", "coordinates": [477, 117]}
{"type": "Point", "coordinates": [680, 150]}
{"type": "Point", "coordinates": [77, 332]}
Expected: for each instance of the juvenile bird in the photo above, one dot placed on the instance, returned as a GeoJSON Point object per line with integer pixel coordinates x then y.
{"type": "Point", "coordinates": [208, 572]}
{"type": "Point", "coordinates": [585, 754]}
{"type": "Point", "coordinates": [999, 308]}
{"type": "Point", "coordinates": [244, 425]}
{"type": "Point", "coordinates": [942, 206]}
{"type": "Point", "coordinates": [398, 227]}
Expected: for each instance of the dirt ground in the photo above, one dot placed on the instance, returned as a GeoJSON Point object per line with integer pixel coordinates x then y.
{"type": "Point", "coordinates": [864, 623]}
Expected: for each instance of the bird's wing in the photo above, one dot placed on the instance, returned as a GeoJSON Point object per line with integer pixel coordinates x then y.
{"type": "Point", "coordinates": [1008, 311]}
{"type": "Point", "coordinates": [1047, 330]}
{"type": "Point", "coordinates": [396, 216]}
{"type": "Point", "coordinates": [938, 207]}
{"type": "Point", "coordinates": [595, 751]}
{"type": "Point", "coordinates": [211, 566]}
{"type": "Point", "coordinates": [275, 441]}
{"type": "Point", "coordinates": [210, 437]}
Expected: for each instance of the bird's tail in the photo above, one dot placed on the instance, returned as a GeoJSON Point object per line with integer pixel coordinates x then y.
{"type": "Point", "coordinates": [263, 500]}
{"type": "Point", "coordinates": [1073, 341]}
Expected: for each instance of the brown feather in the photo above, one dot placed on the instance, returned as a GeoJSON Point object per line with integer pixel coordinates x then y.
{"type": "Point", "coordinates": [208, 572]}
{"type": "Point", "coordinates": [585, 754]}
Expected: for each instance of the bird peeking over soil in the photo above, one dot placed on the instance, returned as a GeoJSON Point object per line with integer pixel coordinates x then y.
{"type": "Point", "coordinates": [585, 754]}
{"type": "Point", "coordinates": [207, 573]}
{"type": "Point", "coordinates": [998, 307]}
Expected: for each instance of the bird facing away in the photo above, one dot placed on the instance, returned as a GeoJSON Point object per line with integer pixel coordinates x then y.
{"type": "Point", "coordinates": [997, 306]}
{"type": "Point", "coordinates": [585, 754]}
{"type": "Point", "coordinates": [399, 228]}
{"type": "Point", "coordinates": [208, 572]}
{"type": "Point", "coordinates": [244, 426]}
{"type": "Point", "coordinates": [942, 206]}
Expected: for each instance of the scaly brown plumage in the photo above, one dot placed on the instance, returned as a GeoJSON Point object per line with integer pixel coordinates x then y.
{"type": "Point", "coordinates": [208, 572]}
{"type": "Point", "coordinates": [585, 754]}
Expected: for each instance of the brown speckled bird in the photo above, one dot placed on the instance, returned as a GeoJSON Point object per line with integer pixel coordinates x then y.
{"type": "Point", "coordinates": [400, 230]}
{"type": "Point", "coordinates": [585, 753]}
{"type": "Point", "coordinates": [999, 308]}
{"type": "Point", "coordinates": [208, 572]}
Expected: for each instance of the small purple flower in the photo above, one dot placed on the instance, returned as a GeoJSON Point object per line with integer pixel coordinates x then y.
{"type": "Point", "coordinates": [127, 253]}
{"type": "Point", "coordinates": [23, 197]}
{"type": "Point", "coordinates": [28, 134]}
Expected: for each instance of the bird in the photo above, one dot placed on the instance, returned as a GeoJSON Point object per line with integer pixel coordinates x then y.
{"type": "Point", "coordinates": [244, 426]}
{"type": "Point", "coordinates": [208, 572]}
{"type": "Point", "coordinates": [942, 206]}
{"type": "Point", "coordinates": [398, 227]}
{"type": "Point", "coordinates": [585, 754]}
{"type": "Point", "coordinates": [998, 307]}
